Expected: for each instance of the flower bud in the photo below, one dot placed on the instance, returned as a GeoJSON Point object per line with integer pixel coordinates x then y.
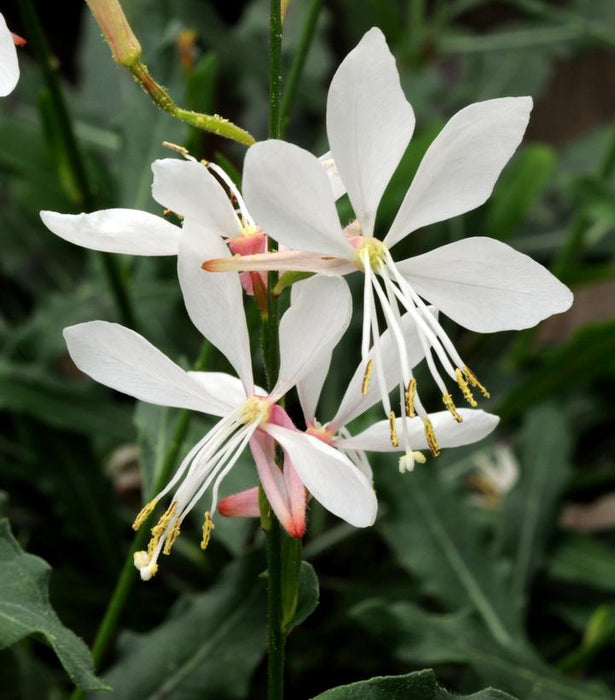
{"type": "Point", "coordinates": [125, 46]}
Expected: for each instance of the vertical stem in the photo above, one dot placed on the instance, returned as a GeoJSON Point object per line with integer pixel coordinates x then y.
{"type": "Point", "coordinates": [74, 159]}
{"type": "Point", "coordinates": [276, 637]}
{"type": "Point", "coordinates": [275, 77]}
{"type": "Point", "coordinates": [275, 670]}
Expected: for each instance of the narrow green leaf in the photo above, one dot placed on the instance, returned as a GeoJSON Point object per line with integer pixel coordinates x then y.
{"type": "Point", "coordinates": [530, 510]}
{"type": "Point", "coordinates": [207, 648]}
{"type": "Point", "coordinates": [29, 390]}
{"type": "Point", "coordinates": [519, 189]}
{"type": "Point", "coordinates": [25, 610]}
{"type": "Point", "coordinates": [590, 353]}
{"type": "Point", "coordinates": [421, 638]}
{"type": "Point", "coordinates": [420, 685]}
{"type": "Point", "coordinates": [581, 559]}
{"type": "Point", "coordinates": [433, 537]}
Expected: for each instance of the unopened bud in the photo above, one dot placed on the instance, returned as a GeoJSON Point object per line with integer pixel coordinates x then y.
{"type": "Point", "coordinates": [124, 45]}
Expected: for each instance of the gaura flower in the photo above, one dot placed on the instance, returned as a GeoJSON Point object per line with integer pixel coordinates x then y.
{"type": "Point", "coordinates": [9, 66]}
{"type": "Point", "coordinates": [123, 360]}
{"type": "Point", "coordinates": [405, 436]}
{"type": "Point", "coordinates": [481, 283]}
{"type": "Point", "coordinates": [188, 188]}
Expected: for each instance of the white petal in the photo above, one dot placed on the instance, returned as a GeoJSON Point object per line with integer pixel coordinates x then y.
{"type": "Point", "coordinates": [337, 186]}
{"type": "Point", "coordinates": [369, 124]}
{"type": "Point", "coordinates": [214, 299]}
{"type": "Point", "coordinates": [329, 476]}
{"type": "Point", "coordinates": [460, 168]}
{"type": "Point", "coordinates": [314, 323]}
{"type": "Point", "coordinates": [127, 231]}
{"type": "Point", "coordinates": [475, 426]}
{"type": "Point", "coordinates": [124, 360]}
{"type": "Point", "coordinates": [190, 190]}
{"type": "Point", "coordinates": [354, 403]}
{"type": "Point", "coordinates": [9, 67]}
{"type": "Point", "coordinates": [310, 386]}
{"type": "Point", "coordinates": [227, 388]}
{"type": "Point", "coordinates": [288, 194]}
{"type": "Point", "coordinates": [486, 286]}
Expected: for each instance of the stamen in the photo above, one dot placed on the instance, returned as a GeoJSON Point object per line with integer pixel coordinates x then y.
{"type": "Point", "coordinates": [447, 399]}
{"type": "Point", "coordinates": [393, 429]}
{"type": "Point", "coordinates": [367, 376]}
{"type": "Point", "coordinates": [174, 147]}
{"type": "Point", "coordinates": [410, 396]}
{"type": "Point", "coordinates": [465, 389]}
{"type": "Point", "coordinates": [208, 526]}
{"type": "Point", "coordinates": [171, 537]}
{"type": "Point", "coordinates": [471, 377]}
{"type": "Point", "coordinates": [431, 437]}
{"type": "Point", "coordinates": [144, 513]}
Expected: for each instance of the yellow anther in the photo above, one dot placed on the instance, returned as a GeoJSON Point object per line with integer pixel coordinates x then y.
{"type": "Point", "coordinates": [471, 377]}
{"type": "Point", "coordinates": [171, 537]}
{"type": "Point", "coordinates": [431, 437]}
{"type": "Point", "coordinates": [208, 526]}
{"type": "Point", "coordinates": [144, 514]}
{"type": "Point", "coordinates": [367, 377]}
{"type": "Point", "coordinates": [174, 147]}
{"type": "Point", "coordinates": [410, 395]}
{"type": "Point", "coordinates": [447, 399]}
{"type": "Point", "coordinates": [161, 526]}
{"type": "Point", "coordinates": [465, 389]}
{"type": "Point", "coordinates": [393, 429]}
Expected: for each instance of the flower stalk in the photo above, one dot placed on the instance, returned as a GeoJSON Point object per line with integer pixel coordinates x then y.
{"type": "Point", "coordinates": [126, 51]}
{"type": "Point", "coordinates": [277, 579]}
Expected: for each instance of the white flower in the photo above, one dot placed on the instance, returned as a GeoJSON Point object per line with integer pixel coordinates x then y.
{"type": "Point", "coordinates": [481, 283]}
{"type": "Point", "coordinates": [124, 360]}
{"type": "Point", "coordinates": [9, 67]}
{"type": "Point", "coordinates": [407, 435]}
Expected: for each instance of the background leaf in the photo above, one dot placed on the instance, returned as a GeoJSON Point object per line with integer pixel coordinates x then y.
{"type": "Point", "coordinates": [25, 610]}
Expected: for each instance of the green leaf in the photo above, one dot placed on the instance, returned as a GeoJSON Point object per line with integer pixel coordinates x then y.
{"type": "Point", "coordinates": [422, 638]}
{"type": "Point", "coordinates": [420, 685]}
{"type": "Point", "coordinates": [589, 354]}
{"type": "Point", "coordinates": [581, 559]}
{"type": "Point", "coordinates": [207, 648]}
{"type": "Point", "coordinates": [307, 597]}
{"type": "Point", "coordinates": [25, 610]}
{"type": "Point", "coordinates": [530, 511]}
{"type": "Point", "coordinates": [30, 390]}
{"type": "Point", "coordinates": [433, 536]}
{"type": "Point", "coordinates": [519, 189]}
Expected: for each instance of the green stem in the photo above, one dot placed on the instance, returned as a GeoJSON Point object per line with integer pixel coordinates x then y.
{"type": "Point", "coordinates": [298, 63]}
{"type": "Point", "coordinates": [275, 622]}
{"type": "Point", "coordinates": [38, 41]}
{"type": "Point", "coordinates": [275, 76]}
{"type": "Point", "coordinates": [275, 670]}
{"type": "Point", "coordinates": [127, 575]}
